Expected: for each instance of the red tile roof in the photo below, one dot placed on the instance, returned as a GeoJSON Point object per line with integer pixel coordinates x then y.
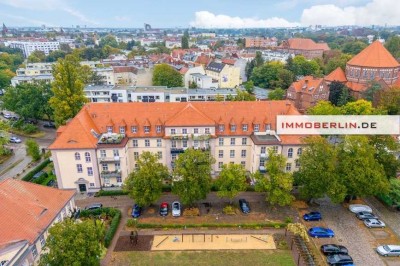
{"type": "Point", "coordinates": [228, 61]}
{"type": "Point", "coordinates": [203, 60]}
{"type": "Point", "coordinates": [337, 75]}
{"type": "Point", "coordinates": [306, 44]}
{"type": "Point", "coordinates": [77, 134]}
{"type": "Point", "coordinates": [307, 85]}
{"type": "Point", "coordinates": [27, 209]}
{"type": "Point", "coordinates": [354, 86]}
{"type": "Point", "coordinates": [124, 69]}
{"type": "Point", "coordinates": [375, 55]}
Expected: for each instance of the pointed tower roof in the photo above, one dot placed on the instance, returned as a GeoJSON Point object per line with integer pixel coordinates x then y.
{"type": "Point", "coordinates": [337, 75]}
{"type": "Point", "coordinates": [375, 55]}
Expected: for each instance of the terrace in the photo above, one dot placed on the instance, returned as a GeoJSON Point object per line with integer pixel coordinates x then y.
{"type": "Point", "coordinates": [111, 138]}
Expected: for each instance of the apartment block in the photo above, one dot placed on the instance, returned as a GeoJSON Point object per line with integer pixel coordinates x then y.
{"type": "Point", "coordinates": [28, 47]}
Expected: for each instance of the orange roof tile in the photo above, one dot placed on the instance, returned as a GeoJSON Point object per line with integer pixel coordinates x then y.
{"type": "Point", "coordinates": [337, 75]}
{"type": "Point", "coordinates": [183, 70]}
{"type": "Point", "coordinates": [306, 44]}
{"type": "Point", "coordinates": [375, 55]}
{"type": "Point", "coordinates": [189, 116]}
{"type": "Point", "coordinates": [27, 209]}
{"type": "Point", "coordinates": [354, 86]}
{"type": "Point", "coordinates": [307, 85]}
{"type": "Point", "coordinates": [228, 61]}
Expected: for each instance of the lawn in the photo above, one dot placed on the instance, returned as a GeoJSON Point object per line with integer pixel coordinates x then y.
{"type": "Point", "coordinates": [209, 258]}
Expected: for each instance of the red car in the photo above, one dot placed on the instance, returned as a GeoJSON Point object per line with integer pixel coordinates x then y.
{"type": "Point", "coordinates": [164, 209]}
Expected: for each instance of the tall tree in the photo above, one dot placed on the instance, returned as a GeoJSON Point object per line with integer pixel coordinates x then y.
{"type": "Point", "coordinates": [278, 184]}
{"type": "Point", "coordinates": [71, 243]}
{"type": "Point", "coordinates": [386, 148]}
{"type": "Point", "coordinates": [4, 138]}
{"type": "Point", "coordinates": [5, 78]}
{"type": "Point", "coordinates": [335, 92]}
{"type": "Point", "coordinates": [192, 175]}
{"type": "Point", "coordinates": [267, 75]}
{"type": "Point", "coordinates": [324, 108]}
{"type": "Point", "coordinates": [277, 94]}
{"type": "Point", "coordinates": [165, 75]}
{"type": "Point", "coordinates": [145, 184]}
{"type": "Point", "coordinates": [389, 99]}
{"type": "Point", "coordinates": [108, 40]}
{"type": "Point", "coordinates": [36, 57]}
{"type": "Point", "coordinates": [185, 40]}
{"type": "Point", "coordinates": [231, 181]}
{"type": "Point", "coordinates": [304, 67]}
{"type": "Point", "coordinates": [32, 149]}
{"type": "Point", "coordinates": [393, 46]}
{"type": "Point", "coordinates": [67, 88]}
{"type": "Point", "coordinates": [354, 47]}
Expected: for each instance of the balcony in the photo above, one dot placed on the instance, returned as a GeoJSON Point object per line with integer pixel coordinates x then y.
{"type": "Point", "coordinates": [262, 169]}
{"type": "Point", "coordinates": [201, 137]}
{"type": "Point", "coordinates": [109, 174]}
{"type": "Point", "coordinates": [110, 159]}
{"type": "Point", "coordinates": [177, 150]}
{"type": "Point", "coordinates": [264, 155]}
{"type": "Point", "coordinates": [180, 137]}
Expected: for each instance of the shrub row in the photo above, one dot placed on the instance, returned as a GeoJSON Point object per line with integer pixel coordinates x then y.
{"type": "Point", "coordinates": [215, 225]}
{"type": "Point", "coordinates": [386, 199]}
{"type": "Point", "coordinates": [47, 180]}
{"type": "Point", "coordinates": [102, 193]}
{"type": "Point", "coordinates": [38, 168]}
{"type": "Point", "coordinates": [41, 179]}
{"type": "Point", "coordinates": [108, 211]}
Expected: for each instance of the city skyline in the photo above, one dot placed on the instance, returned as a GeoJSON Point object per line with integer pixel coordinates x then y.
{"type": "Point", "coordinates": [204, 14]}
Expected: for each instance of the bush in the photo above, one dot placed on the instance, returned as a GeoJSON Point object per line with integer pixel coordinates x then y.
{"type": "Point", "coordinates": [230, 210]}
{"type": "Point", "coordinates": [32, 149]}
{"type": "Point", "coordinates": [191, 212]}
{"type": "Point", "coordinates": [167, 188]}
{"type": "Point", "coordinates": [386, 199]}
{"type": "Point", "coordinates": [102, 193]}
{"type": "Point", "coordinates": [41, 179]}
{"type": "Point", "coordinates": [38, 168]}
{"type": "Point", "coordinates": [131, 222]}
{"type": "Point", "coordinates": [29, 128]}
{"type": "Point", "coordinates": [113, 228]}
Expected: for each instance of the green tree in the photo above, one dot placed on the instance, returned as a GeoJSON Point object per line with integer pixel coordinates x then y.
{"type": "Point", "coordinates": [36, 57]}
{"type": "Point", "coordinates": [360, 107]}
{"type": "Point", "coordinates": [266, 76]}
{"type": "Point", "coordinates": [278, 184]}
{"type": "Point", "coordinates": [72, 243]}
{"type": "Point", "coordinates": [345, 97]}
{"type": "Point", "coordinates": [277, 94]}
{"type": "Point", "coordinates": [55, 55]}
{"type": "Point", "coordinates": [358, 169]}
{"type": "Point", "coordinates": [324, 108]}
{"type": "Point", "coordinates": [385, 149]}
{"type": "Point", "coordinates": [337, 61]}
{"type": "Point", "coordinates": [258, 60]}
{"type": "Point", "coordinates": [32, 149]}
{"type": "Point", "coordinates": [5, 78]}
{"type": "Point", "coordinates": [244, 96]}
{"type": "Point", "coordinates": [67, 87]}
{"type": "Point", "coordinates": [354, 47]}
{"type": "Point", "coordinates": [249, 86]}
{"type": "Point", "coordinates": [108, 40]}
{"type": "Point", "coordinates": [249, 69]}
{"type": "Point", "coordinates": [335, 92]}
{"type": "Point", "coordinates": [65, 48]}
{"type": "Point", "coordinates": [304, 67]}
{"type": "Point", "coordinates": [389, 100]}
{"type": "Point", "coordinates": [231, 181]}
{"type": "Point", "coordinates": [4, 138]}
{"type": "Point", "coordinates": [145, 184]}
{"type": "Point", "coordinates": [192, 175]}
{"type": "Point", "coordinates": [285, 78]}
{"type": "Point", "coordinates": [393, 46]}
{"type": "Point", "coordinates": [165, 75]}
{"type": "Point", "coordinates": [394, 192]}
{"type": "Point", "coordinates": [185, 40]}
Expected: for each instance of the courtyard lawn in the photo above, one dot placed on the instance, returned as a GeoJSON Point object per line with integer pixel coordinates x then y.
{"type": "Point", "coordinates": [209, 258]}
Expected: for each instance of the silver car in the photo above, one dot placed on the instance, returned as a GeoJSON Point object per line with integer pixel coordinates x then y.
{"type": "Point", "coordinates": [366, 215]}
{"type": "Point", "coordinates": [176, 209]}
{"type": "Point", "coordinates": [370, 223]}
{"type": "Point", "coordinates": [356, 208]}
{"type": "Point", "coordinates": [388, 250]}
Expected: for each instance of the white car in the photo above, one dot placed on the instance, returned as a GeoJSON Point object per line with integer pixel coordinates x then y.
{"type": "Point", "coordinates": [15, 140]}
{"type": "Point", "coordinates": [176, 209]}
{"type": "Point", "coordinates": [356, 208]}
{"type": "Point", "coordinates": [388, 250]}
{"type": "Point", "coordinates": [374, 223]}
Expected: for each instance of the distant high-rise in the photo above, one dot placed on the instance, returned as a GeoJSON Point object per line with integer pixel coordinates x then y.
{"type": "Point", "coordinates": [147, 27]}
{"type": "Point", "coordinates": [4, 30]}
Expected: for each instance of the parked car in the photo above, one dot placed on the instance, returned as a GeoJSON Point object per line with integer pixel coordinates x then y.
{"type": "Point", "coordinates": [31, 121]}
{"type": "Point", "coordinates": [164, 209]}
{"type": "Point", "coordinates": [388, 250]}
{"type": "Point", "coordinates": [176, 209]}
{"type": "Point", "coordinates": [136, 211]}
{"type": "Point", "coordinates": [356, 208]}
{"type": "Point", "coordinates": [38, 175]}
{"type": "Point", "coordinates": [374, 223]}
{"type": "Point", "coordinates": [331, 249]}
{"type": "Point", "coordinates": [366, 215]}
{"type": "Point", "coordinates": [339, 259]}
{"type": "Point", "coordinates": [94, 206]}
{"type": "Point", "coordinates": [51, 183]}
{"type": "Point", "coordinates": [49, 124]}
{"type": "Point", "coordinates": [320, 232]}
{"type": "Point", "coordinates": [312, 216]}
{"type": "Point", "coordinates": [244, 206]}
{"type": "Point", "coordinates": [7, 115]}
{"type": "Point", "coordinates": [15, 140]}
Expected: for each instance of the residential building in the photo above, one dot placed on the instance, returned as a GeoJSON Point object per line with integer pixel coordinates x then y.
{"type": "Point", "coordinates": [305, 47]}
{"type": "Point", "coordinates": [260, 42]}
{"type": "Point", "coordinates": [227, 76]}
{"type": "Point", "coordinates": [100, 146]}
{"type": "Point", "coordinates": [276, 56]}
{"type": "Point", "coordinates": [192, 70]}
{"type": "Point", "coordinates": [305, 93]}
{"type": "Point", "coordinates": [33, 72]}
{"type": "Point", "coordinates": [203, 81]}
{"type": "Point", "coordinates": [28, 210]}
{"type": "Point", "coordinates": [28, 47]}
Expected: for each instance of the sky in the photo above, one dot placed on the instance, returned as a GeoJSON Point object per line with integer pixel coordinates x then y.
{"type": "Point", "coordinates": [200, 13]}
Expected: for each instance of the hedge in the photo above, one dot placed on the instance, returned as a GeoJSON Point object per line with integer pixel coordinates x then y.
{"type": "Point", "coordinates": [103, 193]}
{"type": "Point", "coordinates": [38, 168]}
{"type": "Point", "coordinates": [216, 225]}
{"type": "Point", "coordinates": [386, 199]}
{"type": "Point", "coordinates": [41, 179]}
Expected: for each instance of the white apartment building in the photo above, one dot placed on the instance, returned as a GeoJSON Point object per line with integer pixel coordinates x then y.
{"type": "Point", "coordinates": [28, 47]}
{"type": "Point", "coordinates": [101, 145]}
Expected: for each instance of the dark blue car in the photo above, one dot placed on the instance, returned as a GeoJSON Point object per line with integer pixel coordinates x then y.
{"type": "Point", "coordinates": [136, 211]}
{"type": "Point", "coordinates": [312, 216]}
{"type": "Point", "coordinates": [320, 232]}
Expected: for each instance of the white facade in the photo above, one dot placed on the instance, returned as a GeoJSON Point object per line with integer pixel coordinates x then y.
{"type": "Point", "coordinates": [28, 47]}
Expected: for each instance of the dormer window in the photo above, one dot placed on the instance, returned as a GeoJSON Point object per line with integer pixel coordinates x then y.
{"type": "Point", "coordinates": [158, 129]}
{"type": "Point", "coordinates": [146, 129]}
{"type": "Point", "coordinates": [134, 129]}
{"type": "Point", "coordinates": [122, 130]}
{"type": "Point", "coordinates": [256, 127]}
{"type": "Point", "coordinates": [233, 128]}
{"type": "Point", "coordinates": [221, 128]}
{"type": "Point", "coordinates": [109, 129]}
{"type": "Point", "coordinates": [244, 127]}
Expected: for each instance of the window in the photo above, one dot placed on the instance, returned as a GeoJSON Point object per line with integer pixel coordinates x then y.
{"type": "Point", "coordinates": [119, 179]}
{"type": "Point", "coordinates": [275, 149]}
{"type": "Point", "coordinates": [116, 153]}
{"type": "Point", "coordinates": [233, 128]}
{"type": "Point", "coordinates": [159, 143]}
{"type": "Point", "coordinates": [159, 154]}
{"type": "Point", "coordinates": [136, 166]}
{"type": "Point", "coordinates": [173, 157]}
{"type": "Point", "coordinates": [221, 141]}
{"type": "Point", "coordinates": [196, 143]}
{"type": "Point", "coordinates": [87, 157]}
{"type": "Point", "coordinates": [207, 130]}
{"type": "Point", "coordinates": [288, 166]}
{"type": "Point", "coordinates": [263, 150]}
{"type": "Point", "coordinates": [117, 166]}
{"type": "Point", "coordinates": [184, 143]}
{"type": "Point", "coordinates": [90, 171]}
{"type": "Point", "coordinates": [173, 143]}
{"type": "Point", "coordinates": [232, 153]}
{"type": "Point", "coordinates": [104, 166]}
{"type": "Point", "coordinates": [173, 131]}
{"type": "Point", "coordinates": [243, 163]}
{"type": "Point", "coordinates": [122, 130]}
{"type": "Point", "coordinates": [220, 154]}
{"type": "Point", "coordinates": [103, 153]}
{"type": "Point", "coordinates": [109, 129]}
{"type": "Point", "coordinates": [135, 142]}
{"type": "Point", "coordinates": [79, 168]}
{"type": "Point", "coordinates": [267, 126]}
{"type": "Point", "coordinates": [243, 154]}
{"type": "Point", "coordinates": [136, 155]}
{"type": "Point", "coordinates": [256, 128]}
{"type": "Point", "coordinates": [290, 153]}
{"type": "Point", "coordinates": [221, 128]}
{"type": "Point", "coordinates": [134, 129]}
{"type": "Point", "coordinates": [34, 251]}
{"type": "Point", "coordinates": [244, 141]}
{"type": "Point", "coordinates": [184, 130]}
{"type": "Point", "coordinates": [233, 140]}
{"type": "Point", "coordinates": [147, 143]}
{"type": "Point", "coordinates": [146, 129]}
{"type": "Point", "coordinates": [262, 162]}
{"type": "Point", "coordinates": [91, 184]}
{"type": "Point", "coordinates": [220, 164]}
{"type": "Point", "coordinates": [297, 163]}
{"type": "Point", "coordinates": [77, 156]}
{"type": "Point", "coordinates": [244, 127]}
{"type": "Point", "coordinates": [299, 151]}
{"type": "Point", "coordinates": [196, 131]}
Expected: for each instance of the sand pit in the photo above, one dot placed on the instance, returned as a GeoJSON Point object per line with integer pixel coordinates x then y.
{"type": "Point", "coordinates": [212, 242]}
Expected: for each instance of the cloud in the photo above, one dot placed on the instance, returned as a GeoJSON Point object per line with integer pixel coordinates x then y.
{"type": "Point", "coordinates": [205, 19]}
{"type": "Point", "coordinates": [80, 16]}
{"type": "Point", "coordinates": [28, 20]}
{"type": "Point", "coordinates": [376, 12]}
{"type": "Point", "coordinates": [122, 18]}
